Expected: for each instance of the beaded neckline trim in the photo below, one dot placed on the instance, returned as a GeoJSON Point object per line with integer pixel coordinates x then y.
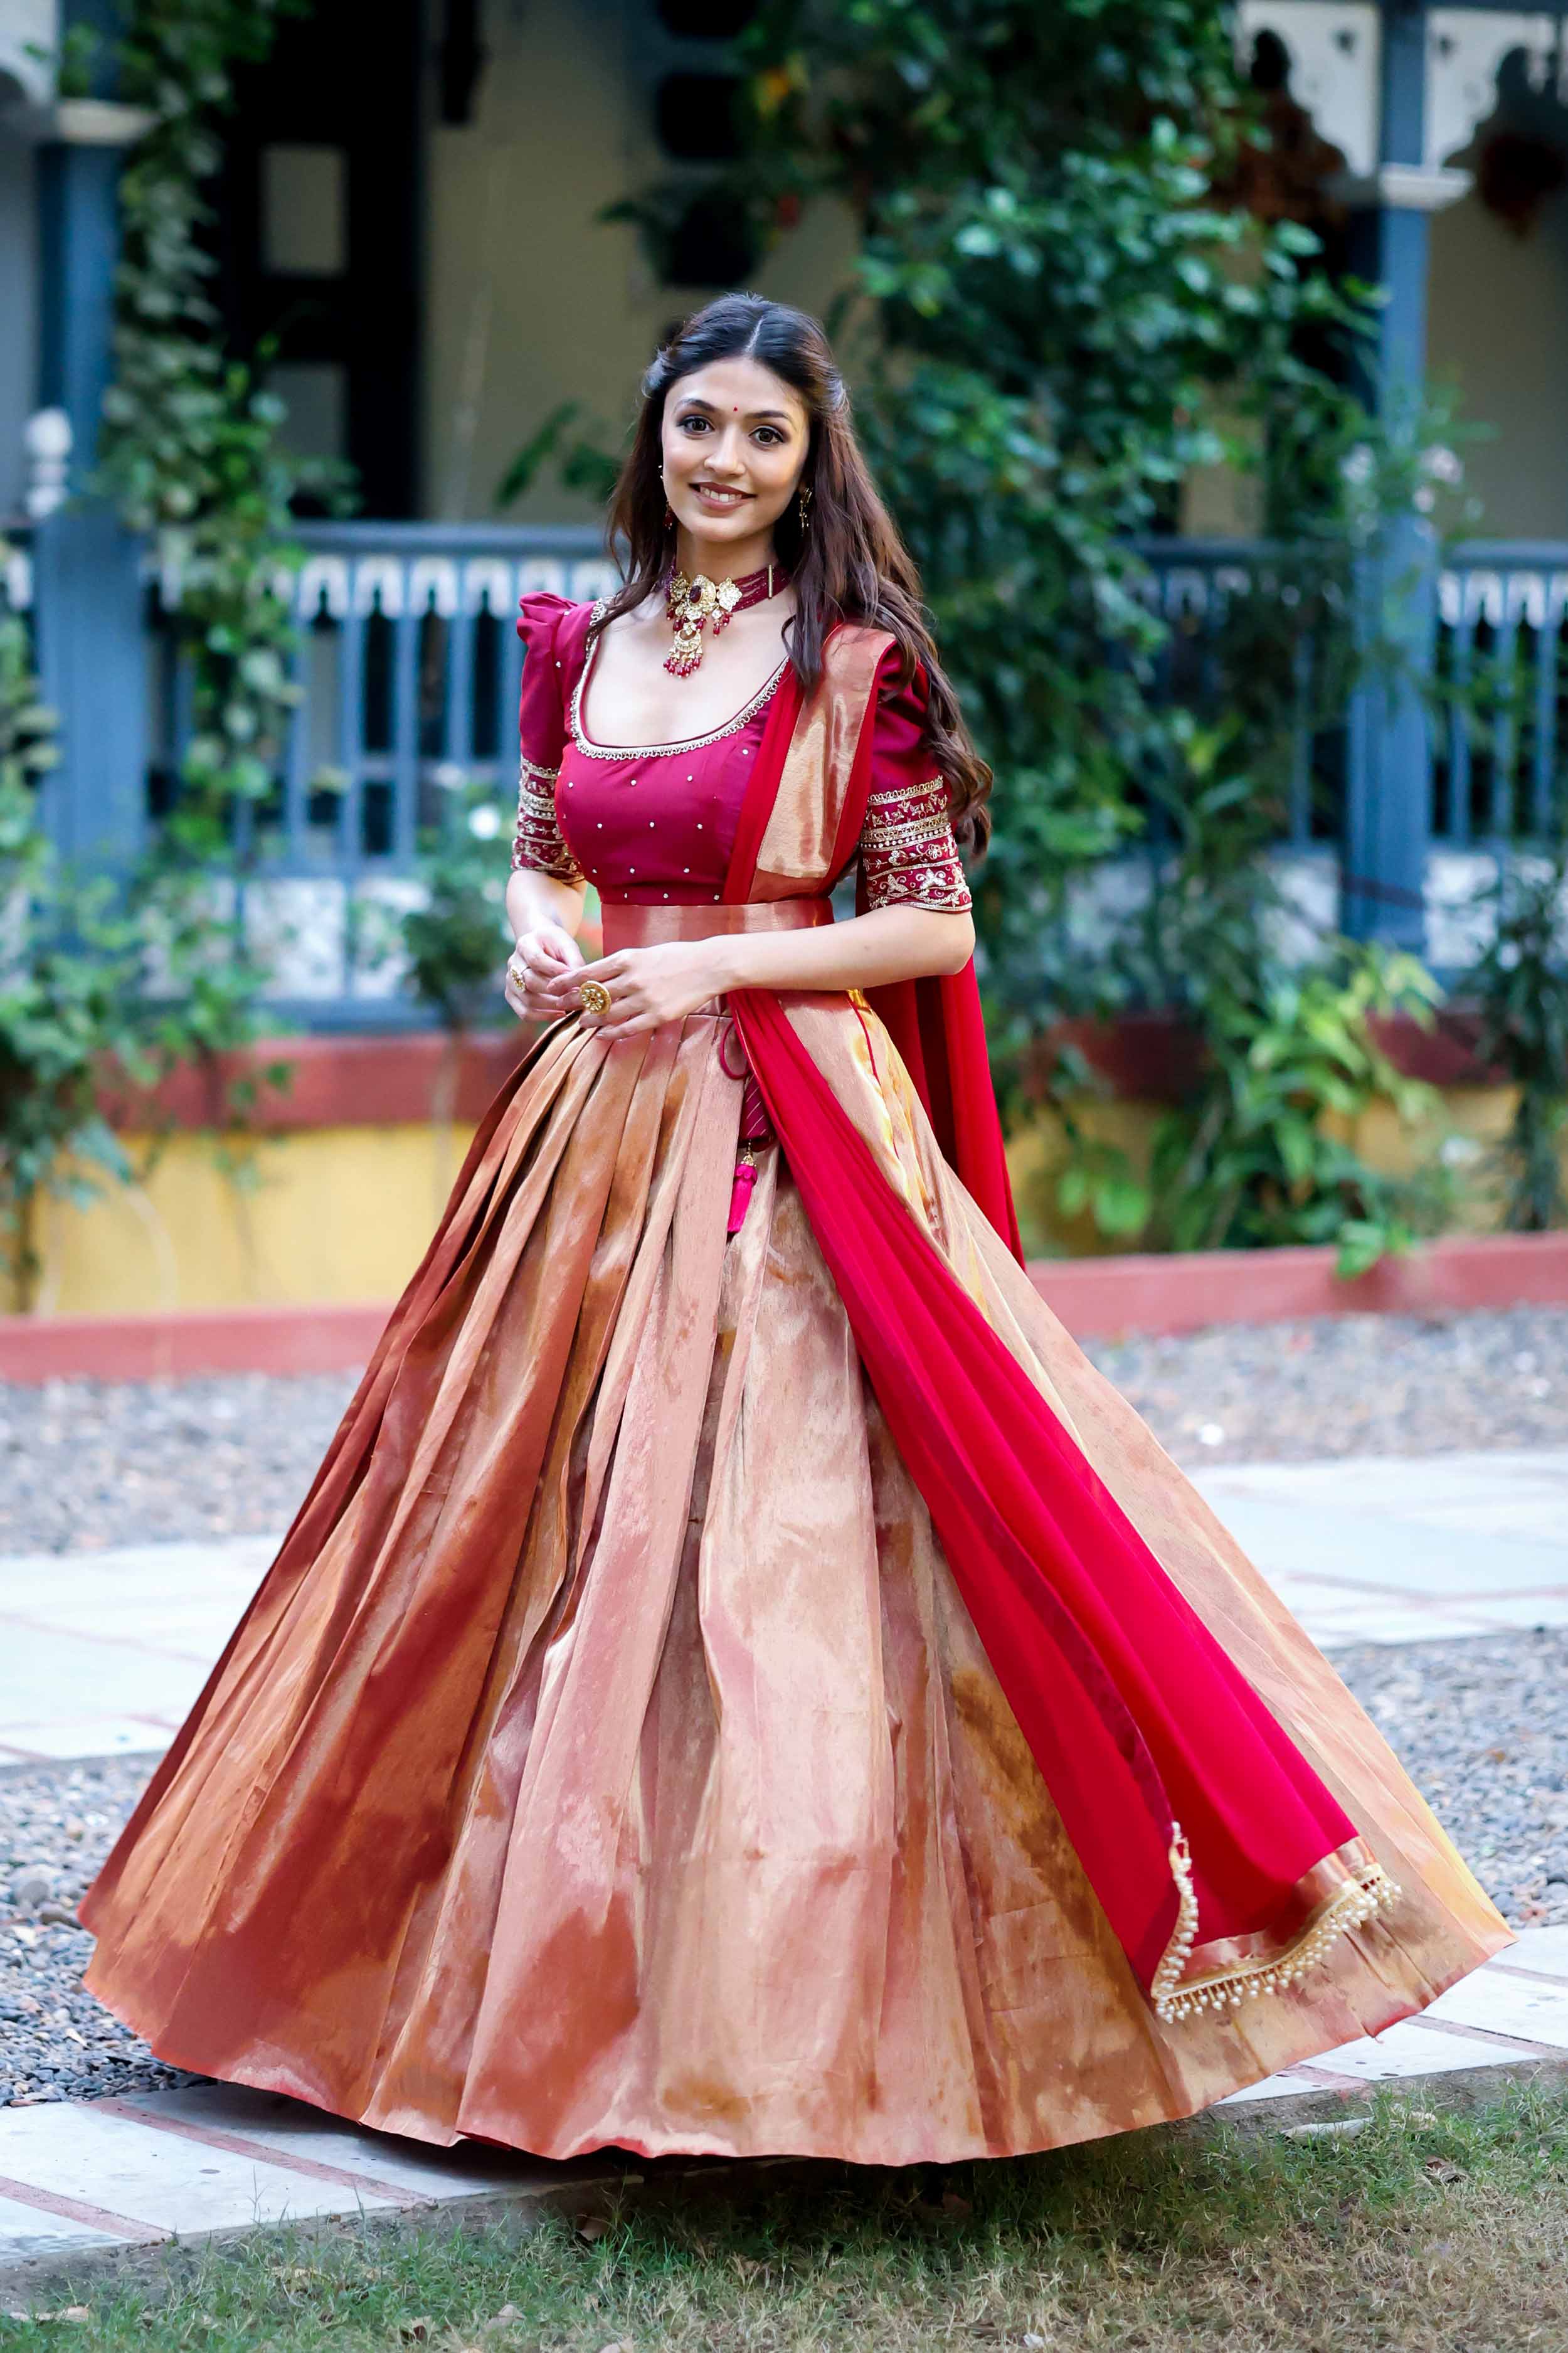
{"type": "Point", "coordinates": [656, 751]}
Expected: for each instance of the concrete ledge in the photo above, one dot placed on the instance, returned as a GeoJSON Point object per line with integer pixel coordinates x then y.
{"type": "Point", "coordinates": [1096, 1298]}
{"type": "Point", "coordinates": [314, 1339]}
{"type": "Point", "coordinates": [1101, 1298]}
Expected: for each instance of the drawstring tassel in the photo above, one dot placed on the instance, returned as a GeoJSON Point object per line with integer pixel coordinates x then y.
{"type": "Point", "coordinates": [741, 1195]}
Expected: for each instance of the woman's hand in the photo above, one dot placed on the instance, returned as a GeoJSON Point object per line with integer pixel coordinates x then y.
{"type": "Point", "coordinates": [549, 961]}
{"type": "Point", "coordinates": [648, 986]}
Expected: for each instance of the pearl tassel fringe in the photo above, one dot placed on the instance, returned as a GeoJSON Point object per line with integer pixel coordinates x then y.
{"type": "Point", "coordinates": [1370, 1893]}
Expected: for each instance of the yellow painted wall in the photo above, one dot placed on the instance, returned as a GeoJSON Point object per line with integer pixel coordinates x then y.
{"type": "Point", "coordinates": [329, 1214]}
{"type": "Point", "coordinates": [344, 1214]}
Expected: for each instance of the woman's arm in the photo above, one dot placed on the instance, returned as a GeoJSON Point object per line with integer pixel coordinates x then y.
{"type": "Point", "coordinates": [651, 984]}
{"type": "Point", "coordinates": [545, 914]}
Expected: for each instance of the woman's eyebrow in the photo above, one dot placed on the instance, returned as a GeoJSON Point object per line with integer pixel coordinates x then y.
{"type": "Point", "coordinates": [757, 415]}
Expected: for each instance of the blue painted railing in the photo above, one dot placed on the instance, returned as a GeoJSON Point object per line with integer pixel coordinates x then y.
{"type": "Point", "coordinates": [1200, 588]}
{"type": "Point", "coordinates": [409, 666]}
{"type": "Point", "coordinates": [1501, 673]}
{"type": "Point", "coordinates": [1502, 607]}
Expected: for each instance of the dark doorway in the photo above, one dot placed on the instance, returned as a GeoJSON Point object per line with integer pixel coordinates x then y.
{"type": "Point", "coordinates": [319, 225]}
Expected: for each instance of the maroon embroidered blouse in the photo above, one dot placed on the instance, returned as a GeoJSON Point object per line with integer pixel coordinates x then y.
{"type": "Point", "coordinates": [657, 822]}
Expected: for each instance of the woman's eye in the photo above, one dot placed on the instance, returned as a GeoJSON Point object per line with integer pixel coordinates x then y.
{"type": "Point", "coordinates": [698, 423]}
{"type": "Point", "coordinates": [768, 435]}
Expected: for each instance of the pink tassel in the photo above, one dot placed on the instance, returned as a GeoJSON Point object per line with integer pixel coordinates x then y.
{"type": "Point", "coordinates": [740, 1197]}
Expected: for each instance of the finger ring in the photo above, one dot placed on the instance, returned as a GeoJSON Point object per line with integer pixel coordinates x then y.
{"type": "Point", "coordinates": [593, 996]}
{"type": "Point", "coordinates": [516, 972]}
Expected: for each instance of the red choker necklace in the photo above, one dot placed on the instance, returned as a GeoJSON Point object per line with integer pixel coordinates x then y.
{"type": "Point", "coordinates": [693, 605]}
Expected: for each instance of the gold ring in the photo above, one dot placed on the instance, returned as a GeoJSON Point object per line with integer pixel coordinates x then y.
{"type": "Point", "coordinates": [593, 996]}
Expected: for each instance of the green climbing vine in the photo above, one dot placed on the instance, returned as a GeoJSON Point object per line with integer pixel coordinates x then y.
{"type": "Point", "coordinates": [106, 988]}
{"type": "Point", "coordinates": [192, 450]}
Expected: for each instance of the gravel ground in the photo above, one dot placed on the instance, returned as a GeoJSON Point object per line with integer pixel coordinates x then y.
{"type": "Point", "coordinates": [1350, 1385]}
{"type": "Point", "coordinates": [84, 1464]}
{"type": "Point", "coordinates": [57, 1824]}
{"type": "Point", "coordinates": [1482, 1726]}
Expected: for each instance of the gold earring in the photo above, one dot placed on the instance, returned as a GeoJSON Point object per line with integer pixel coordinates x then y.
{"type": "Point", "coordinates": [803, 507]}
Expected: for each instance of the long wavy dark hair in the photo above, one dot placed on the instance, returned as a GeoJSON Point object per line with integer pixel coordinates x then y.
{"type": "Point", "coordinates": [850, 565]}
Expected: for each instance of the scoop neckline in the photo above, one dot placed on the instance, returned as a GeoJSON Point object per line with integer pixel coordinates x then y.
{"type": "Point", "coordinates": [596, 750]}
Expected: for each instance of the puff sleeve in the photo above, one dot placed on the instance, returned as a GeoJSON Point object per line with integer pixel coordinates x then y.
{"type": "Point", "coordinates": [538, 845]}
{"type": "Point", "coordinates": [908, 853]}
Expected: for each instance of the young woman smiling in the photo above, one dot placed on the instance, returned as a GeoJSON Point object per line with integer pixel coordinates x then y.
{"type": "Point", "coordinates": [741, 1681]}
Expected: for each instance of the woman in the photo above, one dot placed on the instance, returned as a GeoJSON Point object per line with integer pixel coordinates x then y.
{"type": "Point", "coordinates": [741, 1681]}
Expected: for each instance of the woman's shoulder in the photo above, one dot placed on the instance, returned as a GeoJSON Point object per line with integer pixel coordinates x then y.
{"type": "Point", "coordinates": [555, 628]}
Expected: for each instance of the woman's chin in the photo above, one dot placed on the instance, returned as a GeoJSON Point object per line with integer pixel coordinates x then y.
{"type": "Point", "coordinates": [722, 523]}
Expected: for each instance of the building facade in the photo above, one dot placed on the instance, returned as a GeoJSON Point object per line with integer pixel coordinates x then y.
{"type": "Point", "coordinates": [412, 204]}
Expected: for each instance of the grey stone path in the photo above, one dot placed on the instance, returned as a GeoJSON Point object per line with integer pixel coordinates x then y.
{"type": "Point", "coordinates": [102, 1653]}
{"type": "Point", "coordinates": [83, 2179]}
{"type": "Point", "coordinates": [1406, 1549]}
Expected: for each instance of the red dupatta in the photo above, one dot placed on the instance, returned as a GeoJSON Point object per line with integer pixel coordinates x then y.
{"type": "Point", "coordinates": [1222, 1862]}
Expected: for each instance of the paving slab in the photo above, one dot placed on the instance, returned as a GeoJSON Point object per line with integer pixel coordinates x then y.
{"type": "Point", "coordinates": [287, 2128]}
{"type": "Point", "coordinates": [175, 2185]}
{"type": "Point", "coordinates": [1545, 1949]}
{"type": "Point", "coordinates": [29, 2234]}
{"type": "Point", "coordinates": [1406, 1549]}
{"type": "Point", "coordinates": [102, 1653]}
{"type": "Point", "coordinates": [1410, 2051]}
{"type": "Point", "coordinates": [1388, 1552]}
{"type": "Point", "coordinates": [1508, 2003]}
{"type": "Point", "coordinates": [80, 2181]}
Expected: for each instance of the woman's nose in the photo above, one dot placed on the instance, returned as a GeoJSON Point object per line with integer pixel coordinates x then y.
{"type": "Point", "coordinates": [729, 453]}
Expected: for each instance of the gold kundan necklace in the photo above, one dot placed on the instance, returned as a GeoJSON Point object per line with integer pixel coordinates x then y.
{"type": "Point", "coordinates": [693, 605]}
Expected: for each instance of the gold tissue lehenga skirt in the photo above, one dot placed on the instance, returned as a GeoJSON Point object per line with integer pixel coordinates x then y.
{"type": "Point", "coordinates": [609, 1757]}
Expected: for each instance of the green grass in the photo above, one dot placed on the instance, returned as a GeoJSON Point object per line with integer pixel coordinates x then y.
{"type": "Point", "coordinates": [1432, 2235]}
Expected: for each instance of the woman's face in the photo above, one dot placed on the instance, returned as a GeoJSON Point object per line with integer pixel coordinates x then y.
{"type": "Point", "coordinates": [735, 442]}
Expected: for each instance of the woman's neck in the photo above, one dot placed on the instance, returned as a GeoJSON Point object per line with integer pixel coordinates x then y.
{"type": "Point", "coordinates": [722, 559]}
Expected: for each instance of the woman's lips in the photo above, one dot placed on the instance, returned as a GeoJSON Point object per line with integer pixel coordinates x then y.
{"type": "Point", "coordinates": [713, 496]}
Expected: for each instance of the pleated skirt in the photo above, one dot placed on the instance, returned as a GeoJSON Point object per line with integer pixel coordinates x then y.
{"type": "Point", "coordinates": [608, 1759]}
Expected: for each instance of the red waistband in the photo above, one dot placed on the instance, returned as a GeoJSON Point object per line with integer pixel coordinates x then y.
{"type": "Point", "coordinates": [644, 926]}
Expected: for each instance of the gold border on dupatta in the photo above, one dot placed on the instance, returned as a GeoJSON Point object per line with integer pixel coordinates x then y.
{"type": "Point", "coordinates": [802, 827]}
{"type": "Point", "coordinates": [1345, 1891]}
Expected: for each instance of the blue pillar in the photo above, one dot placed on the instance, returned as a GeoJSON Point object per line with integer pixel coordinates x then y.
{"type": "Point", "coordinates": [88, 589]}
{"type": "Point", "coordinates": [1388, 819]}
